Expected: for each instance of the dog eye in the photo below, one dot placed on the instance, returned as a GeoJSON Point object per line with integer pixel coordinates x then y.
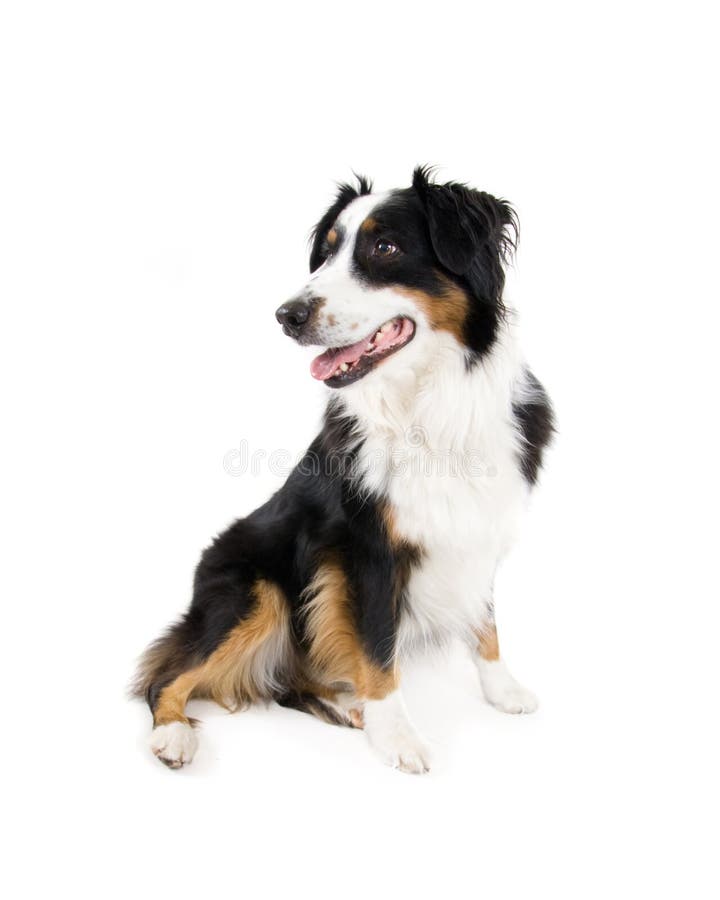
{"type": "Point", "coordinates": [385, 248]}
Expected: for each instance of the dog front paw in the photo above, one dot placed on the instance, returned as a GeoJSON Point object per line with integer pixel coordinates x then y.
{"type": "Point", "coordinates": [393, 737]}
{"type": "Point", "coordinates": [503, 692]}
{"type": "Point", "coordinates": [405, 752]}
{"type": "Point", "coordinates": [513, 699]}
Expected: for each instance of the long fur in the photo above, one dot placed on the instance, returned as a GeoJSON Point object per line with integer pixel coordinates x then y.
{"type": "Point", "coordinates": [315, 598]}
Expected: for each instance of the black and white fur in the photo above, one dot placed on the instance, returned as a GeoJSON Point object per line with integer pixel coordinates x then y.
{"type": "Point", "coordinates": [413, 488]}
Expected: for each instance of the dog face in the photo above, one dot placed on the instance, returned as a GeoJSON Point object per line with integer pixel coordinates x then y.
{"type": "Point", "coordinates": [386, 268]}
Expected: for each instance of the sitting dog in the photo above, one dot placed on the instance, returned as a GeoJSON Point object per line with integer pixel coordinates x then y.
{"type": "Point", "coordinates": [387, 535]}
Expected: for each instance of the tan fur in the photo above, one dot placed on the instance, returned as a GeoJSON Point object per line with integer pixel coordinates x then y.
{"type": "Point", "coordinates": [335, 648]}
{"type": "Point", "coordinates": [405, 552]}
{"type": "Point", "coordinates": [369, 225]}
{"type": "Point", "coordinates": [488, 646]}
{"type": "Point", "coordinates": [446, 311]}
{"type": "Point", "coordinates": [171, 703]}
{"type": "Point", "coordinates": [244, 668]}
{"type": "Point", "coordinates": [388, 515]}
{"type": "Point", "coordinates": [165, 658]}
{"type": "Point", "coordinates": [331, 237]}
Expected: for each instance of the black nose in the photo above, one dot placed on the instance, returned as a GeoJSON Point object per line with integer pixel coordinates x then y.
{"type": "Point", "coordinates": [293, 316]}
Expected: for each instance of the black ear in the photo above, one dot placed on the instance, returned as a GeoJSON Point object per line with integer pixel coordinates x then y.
{"type": "Point", "coordinates": [465, 224]}
{"type": "Point", "coordinates": [346, 193]}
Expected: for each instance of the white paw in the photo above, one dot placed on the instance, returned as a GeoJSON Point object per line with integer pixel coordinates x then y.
{"type": "Point", "coordinates": [513, 699]}
{"type": "Point", "coordinates": [174, 744]}
{"type": "Point", "coordinates": [503, 692]}
{"type": "Point", "coordinates": [407, 753]}
{"type": "Point", "coordinates": [392, 736]}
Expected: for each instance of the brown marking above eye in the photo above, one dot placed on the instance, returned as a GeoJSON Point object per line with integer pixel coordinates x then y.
{"type": "Point", "coordinates": [331, 238]}
{"type": "Point", "coordinates": [369, 225]}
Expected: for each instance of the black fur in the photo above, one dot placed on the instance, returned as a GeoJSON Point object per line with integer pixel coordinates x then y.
{"type": "Point", "coordinates": [317, 512]}
{"type": "Point", "coordinates": [309, 703]}
{"type": "Point", "coordinates": [536, 423]}
{"type": "Point", "coordinates": [446, 232]}
{"type": "Point", "coordinates": [346, 193]}
{"type": "Point", "coordinates": [474, 235]}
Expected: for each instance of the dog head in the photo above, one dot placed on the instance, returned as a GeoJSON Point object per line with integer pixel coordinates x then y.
{"type": "Point", "coordinates": [425, 261]}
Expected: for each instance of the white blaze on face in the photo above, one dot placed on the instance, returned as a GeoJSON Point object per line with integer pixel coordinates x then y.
{"type": "Point", "coordinates": [353, 309]}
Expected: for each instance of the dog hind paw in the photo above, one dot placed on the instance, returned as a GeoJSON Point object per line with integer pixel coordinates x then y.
{"type": "Point", "coordinates": [174, 744]}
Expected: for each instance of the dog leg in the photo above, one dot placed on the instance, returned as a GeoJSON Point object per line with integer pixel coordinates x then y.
{"type": "Point", "coordinates": [499, 687]}
{"type": "Point", "coordinates": [248, 664]}
{"type": "Point", "coordinates": [340, 654]}
{"type": "Point", "coordinates": [173, 739]}
{"type": "Point", "coordinates": [392, 735]}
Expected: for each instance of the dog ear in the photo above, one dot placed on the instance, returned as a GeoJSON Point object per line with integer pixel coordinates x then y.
{"type": "Point", "coordinates": [464, 223]}
{"type": "Point", "coordinates": [346, 193]}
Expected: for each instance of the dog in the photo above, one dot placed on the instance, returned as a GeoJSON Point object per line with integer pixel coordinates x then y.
{"type": "Point", "coordinates": [386, 537]}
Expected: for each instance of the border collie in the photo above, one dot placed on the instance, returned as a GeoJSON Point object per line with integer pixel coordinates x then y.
{"type": "Point", "coordinates": [386, 536]}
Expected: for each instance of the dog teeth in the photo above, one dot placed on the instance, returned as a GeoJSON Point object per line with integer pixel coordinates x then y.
{"type": "Point", "coordinates": [344, 367]}
{"type": "Point", "coordinates": [370, 346]}
{"type": "Point", "coordinates": [386, 327]}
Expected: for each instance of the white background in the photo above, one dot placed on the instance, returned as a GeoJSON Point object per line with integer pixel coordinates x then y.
{"type": "Point", "coordinates": [162, 164]}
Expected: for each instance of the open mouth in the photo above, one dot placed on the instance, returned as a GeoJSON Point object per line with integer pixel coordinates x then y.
{"type": "Point", "coordinates": [340, 366]}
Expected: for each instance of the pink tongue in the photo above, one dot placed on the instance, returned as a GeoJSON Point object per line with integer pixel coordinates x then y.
{"type": "Point", "coordinates": [325, 365]}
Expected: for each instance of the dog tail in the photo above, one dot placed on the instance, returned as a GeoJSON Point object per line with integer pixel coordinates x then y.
{"type": "Point", "coordinates": [306, 702]}
{"type": "Point", "coordinates": [163, 661]}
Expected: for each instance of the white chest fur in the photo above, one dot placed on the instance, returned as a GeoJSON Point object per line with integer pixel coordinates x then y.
{"type": "Point", "coordinates": [464, 523]}
{"type": "Point", "coordinates": [441, 446]}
